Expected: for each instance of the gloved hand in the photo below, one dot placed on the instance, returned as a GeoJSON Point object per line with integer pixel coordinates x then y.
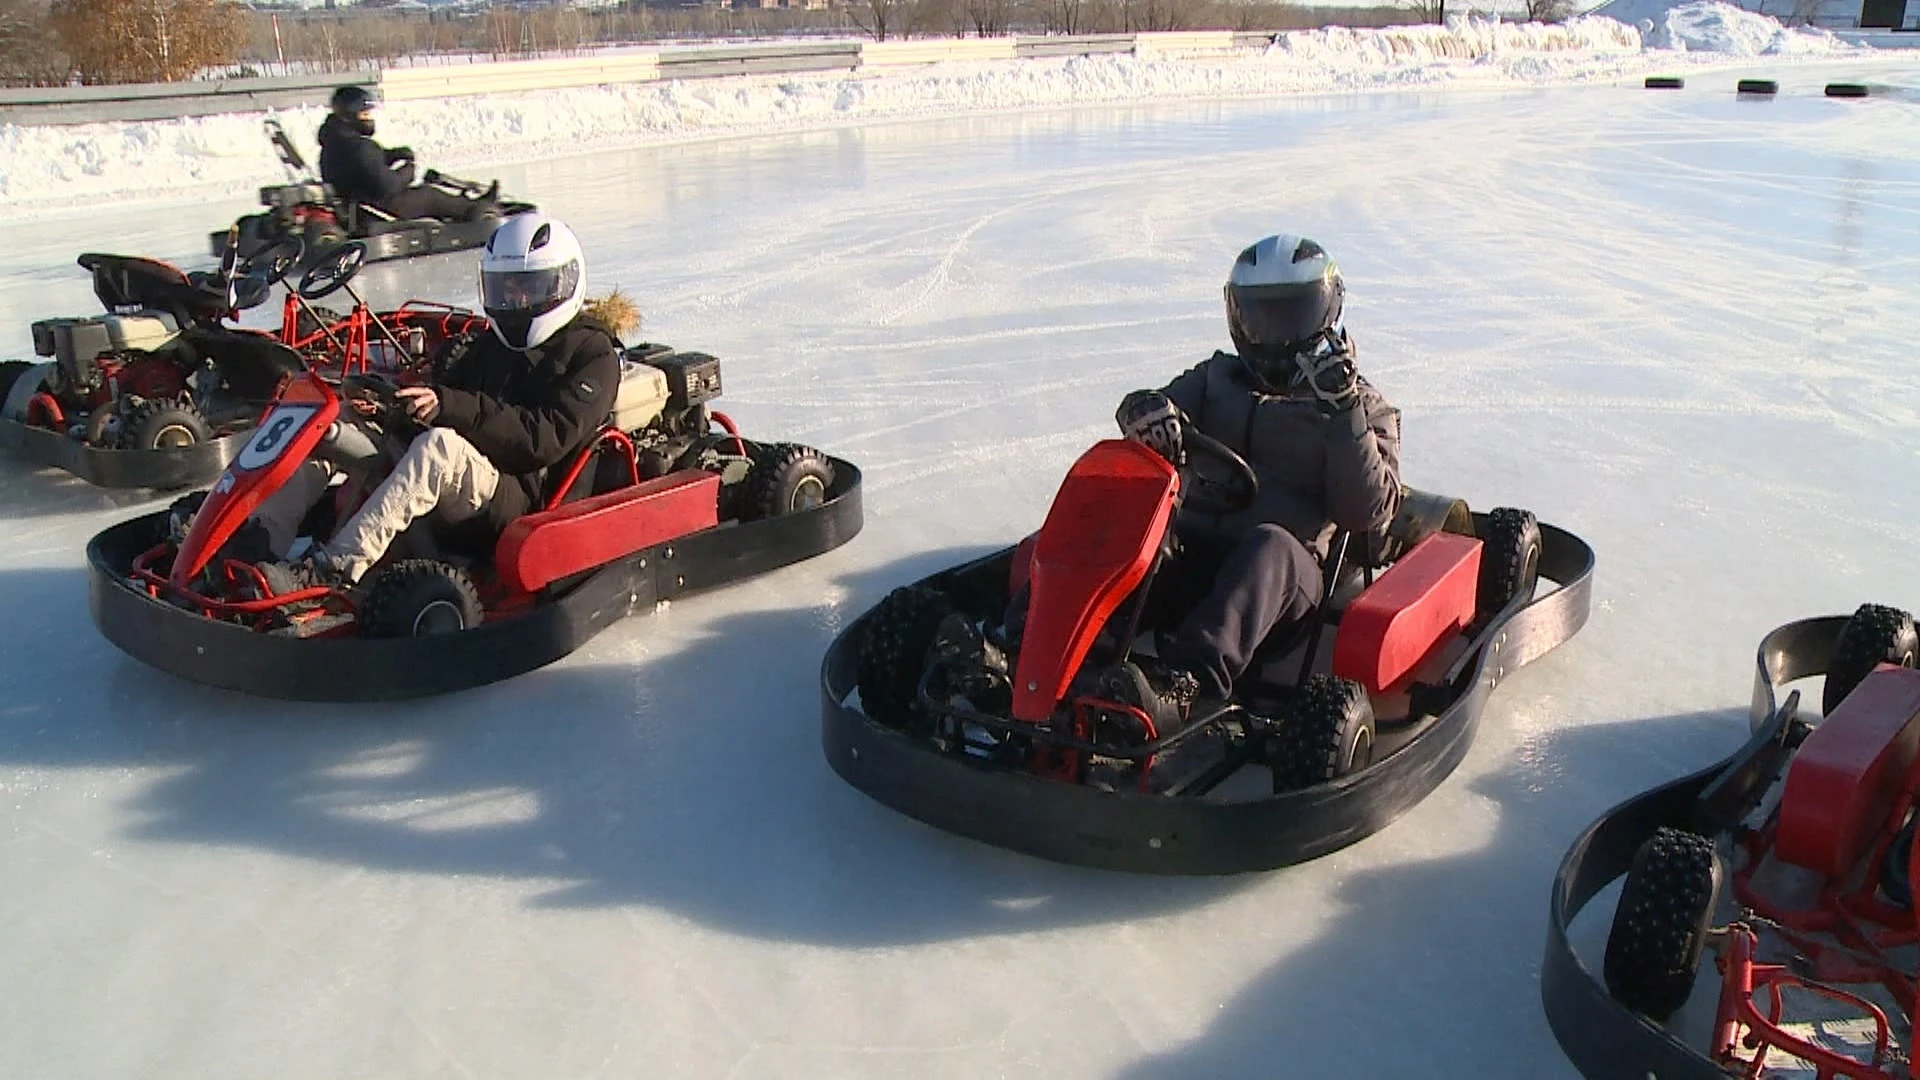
{"type": "Point", "coordinates": [433, 176]}
{"type": "Point", "coordinates": [1150, 418]}
{"type": "Point", "coordinates": [1331, 376]}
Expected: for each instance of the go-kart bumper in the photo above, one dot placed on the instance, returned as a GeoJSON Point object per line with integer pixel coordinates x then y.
{"type": "Point", "coordinates": [1174, 835]}
{"type": "Point", "coordinates": [234, 657]}
{"type": "Point", "coordinates": [159, 469]}
{"type": "Point", "coordinates": [1604, 1039]}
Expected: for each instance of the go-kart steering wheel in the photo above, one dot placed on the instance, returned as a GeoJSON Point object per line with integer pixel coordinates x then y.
{"type": "Point", "coordinates": [1207, 494]}
{"type": "Point", "coordinates": [272, 263]}
{"type": "Point", "coordinates": [334, 270]}
{"type": "Point", "coordinates": [376, 389]}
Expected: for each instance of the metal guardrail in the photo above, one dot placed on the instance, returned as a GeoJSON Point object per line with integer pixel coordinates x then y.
{"type": "Point", "coordinates": [1078, 45]}
{"type": "Point", "coordinates": [168, 101]}
{"type": "Point", "coordinates": [777, 58]}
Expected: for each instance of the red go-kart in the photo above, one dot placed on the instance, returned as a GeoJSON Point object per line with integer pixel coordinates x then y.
{"type": "Point", "coordinates": [1791, 863]}
{"type": "Point", "coordinates": [667, 500]}
{"type": "Point", "coordinates": [1323, 743]}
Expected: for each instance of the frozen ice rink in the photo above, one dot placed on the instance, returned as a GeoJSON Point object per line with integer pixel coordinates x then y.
{"type": "Point", "coordinates": [1681, 325]}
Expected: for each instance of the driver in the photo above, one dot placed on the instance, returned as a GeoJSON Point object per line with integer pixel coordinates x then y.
{"type": "Point", "coordinates": [515, 404]}
{"type": "Point", "coordinates": [1323, 442]}
{"type": "Point", "coordinates": [362, 171]}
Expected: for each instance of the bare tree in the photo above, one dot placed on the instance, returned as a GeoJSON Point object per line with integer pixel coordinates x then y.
{"type": "Point", "coordinates": [1552, 11]}
{"type": "Point", "coordinates": [880, 17]}
{"type": "Point", "coordinates": [30, 55]}
{"type": "Point", "coordinates": [112, 41]}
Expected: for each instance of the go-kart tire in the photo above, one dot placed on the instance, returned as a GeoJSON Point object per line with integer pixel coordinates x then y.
{"type": "Point", "coordinates": [417, 597]}
{"type": "Point", "coordinates": [10, 372]}
{"type": "Point", "coordinates": [304, 324]}
{"type": "Point", "coordinates": [786, 478]}
{"type": "Point", "coordinates": [164, 425]}
{"type": "Point", "coordinates": [1895, 876]}
{"type": "Point", "coordinates": [1509, 559]}
{"type": "Point", "coordinates": [894, 655]}
{"type": "Point", "coordinates": [1327, 733]}
{"type": "Point", "coordinates": [1874, 635]}
{"type": "Point", "coordinates": [1660, 927]}
{"type": "Point", "coordinates": [174, 527]}
{"type": "Point", "coordinates": [1764, 87]}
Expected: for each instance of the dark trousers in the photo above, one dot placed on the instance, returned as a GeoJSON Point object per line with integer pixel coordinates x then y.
{"type": "Point", "coordinates": [431, 202]}
{"type": "Point", "coordinates": [1241, 590]}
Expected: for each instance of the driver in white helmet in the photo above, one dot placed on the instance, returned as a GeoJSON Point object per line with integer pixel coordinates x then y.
{"type": "Point", "coordinates": [1324, 444]}
{"type": "Point", "coordinates": [518, 402]}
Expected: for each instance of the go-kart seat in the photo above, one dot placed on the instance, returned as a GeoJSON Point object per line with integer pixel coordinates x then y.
{"type": "Point", "coordinates": [126, 284]}
{"type": "Point", "coordinates": [250, 364]}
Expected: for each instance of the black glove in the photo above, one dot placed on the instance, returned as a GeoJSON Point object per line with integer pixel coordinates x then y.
{"type": "Point", "coordinates": [433, 176]}
{"type": "Point", "coordinates": [1150, 418]}
{"type": "Point", "coordinates": [399, 154]}
{"type": "Point", "coordinates": [1331, 376]}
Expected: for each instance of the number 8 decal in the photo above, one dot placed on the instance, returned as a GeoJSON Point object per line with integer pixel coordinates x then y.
{"type": "Point", "coordinates": [275, 434]}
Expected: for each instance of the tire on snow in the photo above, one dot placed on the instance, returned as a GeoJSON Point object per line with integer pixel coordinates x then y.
{"type": "Point", "coordinates": [1328, 733]}
{"type": "Point", "coordinates": [1509, 559]}
{"type": "Point", "coordinates": [417, 597]}
{"type": "Point", "coordinates": [1660, 927]}
{"type": "Point", "coordinates": [1766, 87]}
{"type": "Point", "coordinates": [1666, 82]}
{"type": "Point", "coordinates": [1875, 635]}
{"type": "Point", "coordinates": [786, 479]}
{"type": "Point", "coordinates": [164, 425]}
{"type": "Point", "coordinates": [894, 655]}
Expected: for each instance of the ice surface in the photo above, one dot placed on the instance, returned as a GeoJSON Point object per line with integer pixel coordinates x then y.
{"type": "Point", "coordinates": [1680, 324]}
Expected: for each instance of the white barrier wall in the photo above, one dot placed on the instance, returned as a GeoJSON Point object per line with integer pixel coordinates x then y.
{"type": "Point", "coordinates": [508, 76]}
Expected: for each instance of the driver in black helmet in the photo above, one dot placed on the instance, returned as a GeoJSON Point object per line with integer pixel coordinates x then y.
{"type": "Point", "coordinates": [1323, 442]}
{"type": "Point", "coordinates": [362, 171]}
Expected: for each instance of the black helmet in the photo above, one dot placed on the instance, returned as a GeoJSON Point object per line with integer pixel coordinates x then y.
{"type": "Point", "coordinates": [353, 100]}
{"type": "Point", "coordinates": [1283, 298]}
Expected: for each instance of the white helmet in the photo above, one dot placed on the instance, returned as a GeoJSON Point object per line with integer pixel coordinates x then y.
{"type": "Point", "coordinates": [1283, 297]}
{"type": "Point", "coordinates": [533, 279]}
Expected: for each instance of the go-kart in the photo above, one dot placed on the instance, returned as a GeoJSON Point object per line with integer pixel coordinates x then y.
{"type": "Point", "coordinates": [1013, 742]}
{"type": "Point", "coordinates": [158, 392]}
{"type": "Point", "coordinates": [309, 209]}
{"type": "Point", "coordinates": [667, 500]}
{"type": "Point", "coordinates": [1791, 862]}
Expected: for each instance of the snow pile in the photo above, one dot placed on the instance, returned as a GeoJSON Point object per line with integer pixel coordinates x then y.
{"type": "Point", "coordinates": [1712, 26]}
{"type": "Point", "coordinates": [48, 167]}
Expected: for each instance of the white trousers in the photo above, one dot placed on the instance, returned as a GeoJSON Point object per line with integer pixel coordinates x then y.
{"type": "Point", "coordinates": [441, 473]}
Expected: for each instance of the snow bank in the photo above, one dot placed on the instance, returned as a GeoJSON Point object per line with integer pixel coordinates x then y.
{"type": "Point", "coordinates": [1712, 26]}
{"type": "Point", "coordinates": [46, 168]}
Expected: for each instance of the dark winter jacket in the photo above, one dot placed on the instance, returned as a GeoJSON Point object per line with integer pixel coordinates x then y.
{"type": "Point", "coordinates": [528, 412]}
{"type": "Point", "coordinates": [360, 169]}
{"type": "Point", "coordinates": [1315, 472]}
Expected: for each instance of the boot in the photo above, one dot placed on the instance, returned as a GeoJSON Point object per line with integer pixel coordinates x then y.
{"type": "Point", "coordinates": [1166, 697]}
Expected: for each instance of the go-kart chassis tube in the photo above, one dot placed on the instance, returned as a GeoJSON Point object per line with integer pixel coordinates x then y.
{"type": "Point", "coordinates": [1162, 834]}
{"type": "Point", "coordinates": [1604, 1039]}
{"type": "Point", "coordinates": [233, 657]}
{"type": "Point", "coordinates": [163, 470]}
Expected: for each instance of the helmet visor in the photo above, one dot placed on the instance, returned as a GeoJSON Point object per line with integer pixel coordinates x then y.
{"type": "Point", "coordinates": [529, 292]}
{"type": "Point", "coordinates": [1280, 316]}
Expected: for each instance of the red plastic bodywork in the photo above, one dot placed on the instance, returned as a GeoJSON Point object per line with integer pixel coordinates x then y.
{"type": "Point", "coordinates": [1843, 780]}
{"type": "Point", "coordinates": [1099, 541]}
{"type": "Point", "coordinates": [1422, 599]}
{"type": "Point", "coordinates": [262, 466]}
{"type": "Point", "coordinates": [1022, 570]}
{"type": "Point", "coordinates": [542, 548]}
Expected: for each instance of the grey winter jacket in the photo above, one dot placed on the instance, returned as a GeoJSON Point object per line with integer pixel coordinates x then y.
{"type": "Point", "coordinates": [1315, 472]}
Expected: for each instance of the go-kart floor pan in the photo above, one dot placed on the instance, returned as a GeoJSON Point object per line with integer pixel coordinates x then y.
{"type": "Point", "coordinates": [1180, 835]}
{"type": "Point", "coordinates": [226, 655]}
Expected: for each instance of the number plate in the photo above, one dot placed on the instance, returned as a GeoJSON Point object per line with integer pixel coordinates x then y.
{"type": "Point", "coordinates": [274, 435]}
